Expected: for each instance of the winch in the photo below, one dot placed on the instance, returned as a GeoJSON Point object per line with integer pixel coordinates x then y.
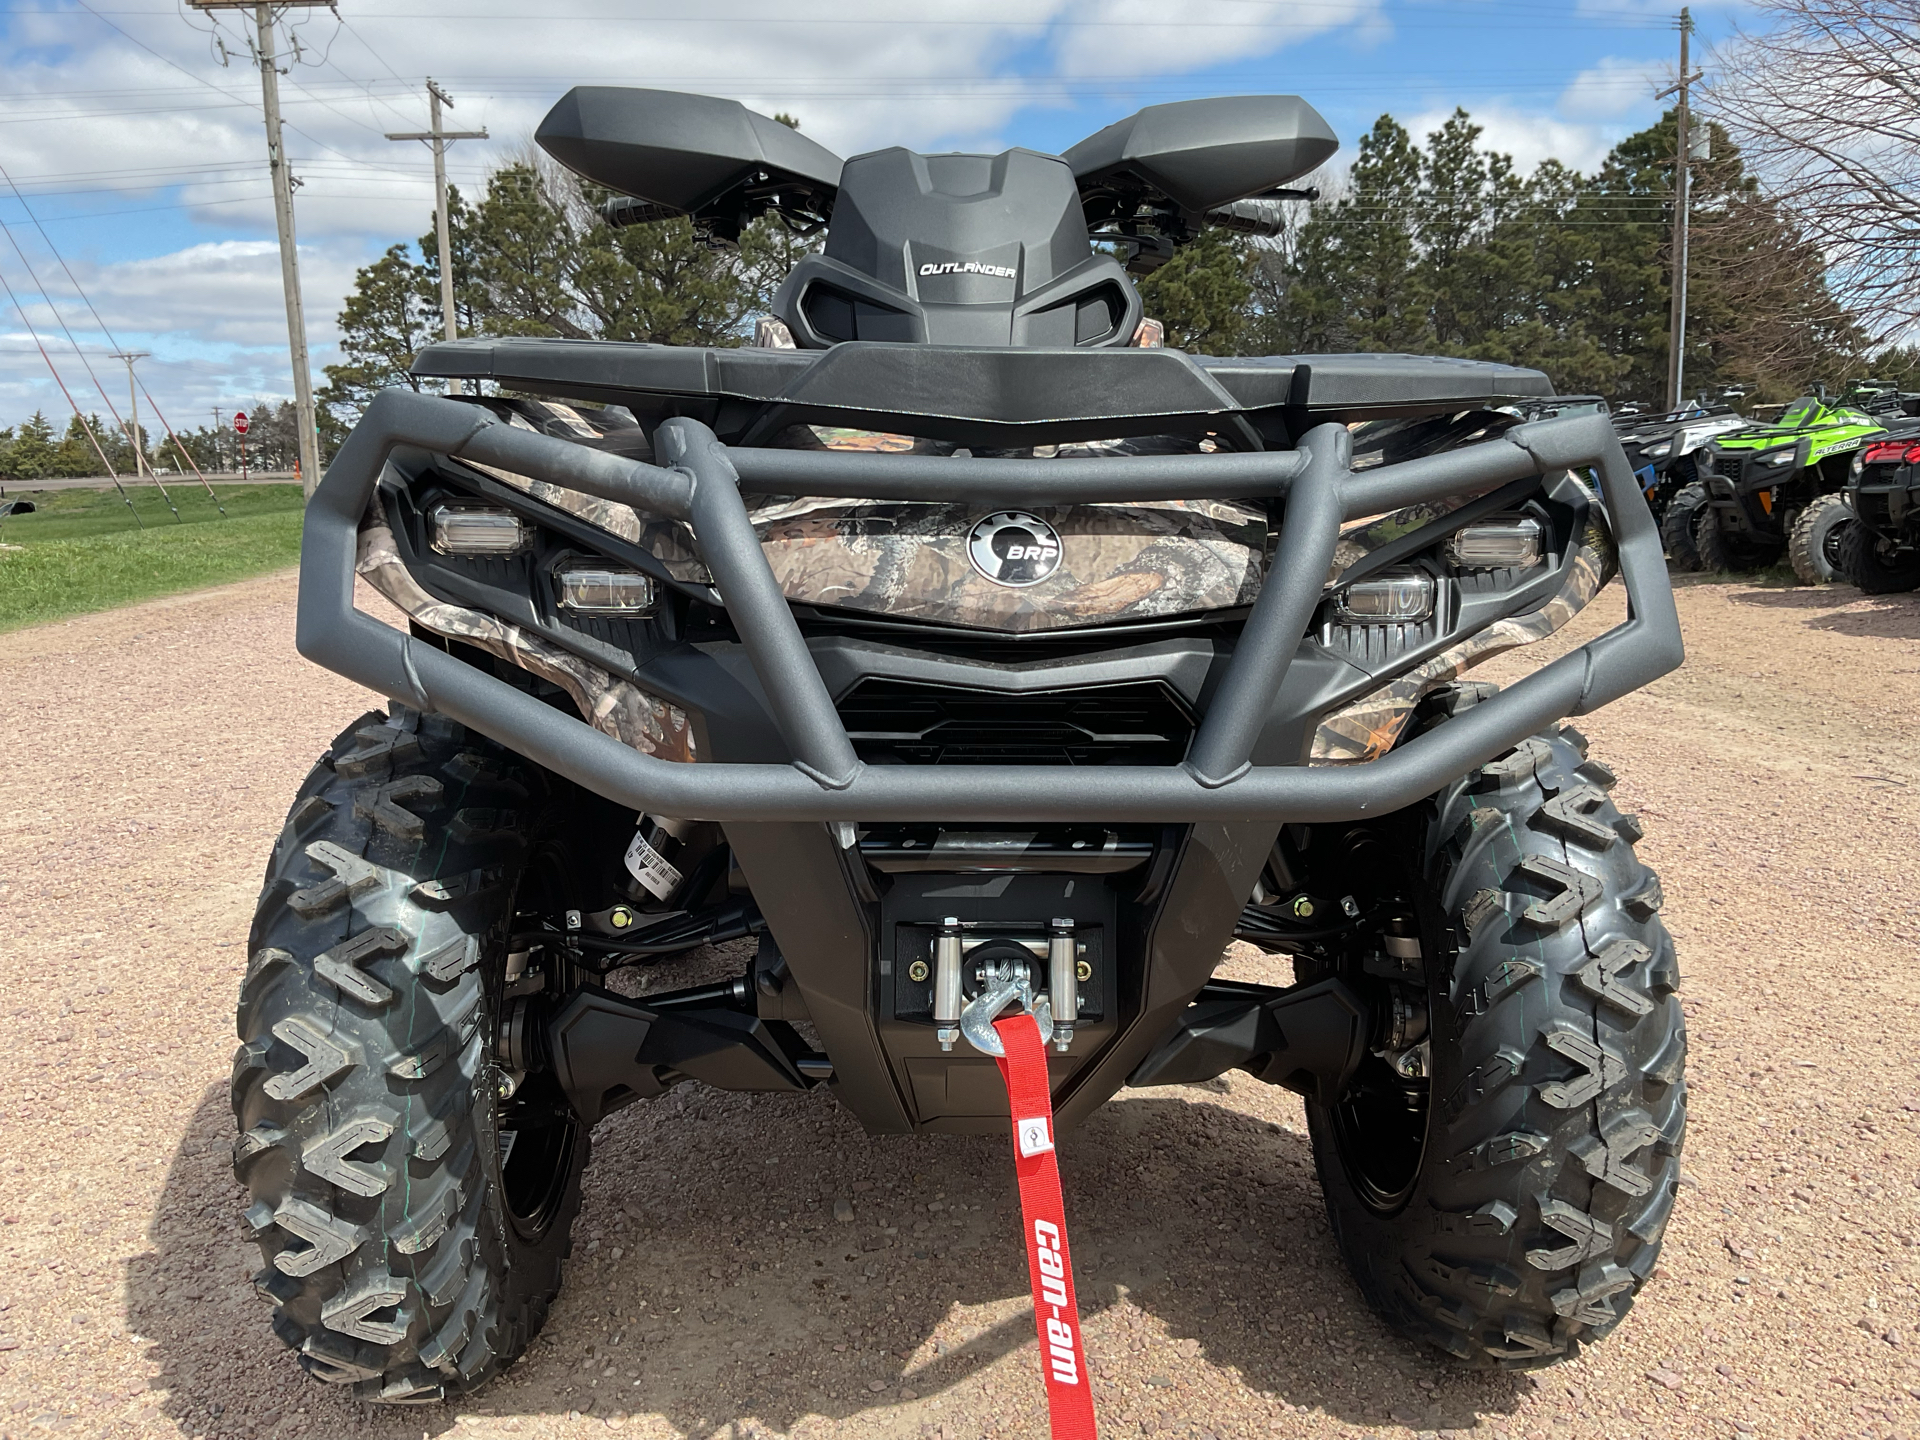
{"type": "Point", "coordinates": [989, 972]}
{"type": "Point", "coordinates": [950, 941]}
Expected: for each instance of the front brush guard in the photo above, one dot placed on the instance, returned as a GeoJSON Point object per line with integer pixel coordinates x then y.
{"type": "Point", "coordinates": [703, 483]}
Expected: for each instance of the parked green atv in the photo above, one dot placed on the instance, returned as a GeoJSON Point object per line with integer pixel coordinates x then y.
{"type": "Point", "coordinates": [1774, 489]}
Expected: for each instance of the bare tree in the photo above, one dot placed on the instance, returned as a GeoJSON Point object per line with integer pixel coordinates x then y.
{"type": "Point", "coordinates": [1825, 103]}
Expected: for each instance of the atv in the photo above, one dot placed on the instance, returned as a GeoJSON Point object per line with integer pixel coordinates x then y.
{"type": "Point", "coordinates": [955, 653]}
{"type": "Point", "coordinates": [1776, 489]}
{"type": "Point", "coordinates": [1880, 551]}
{"type": "Point", "coordinates": [1660, 448]}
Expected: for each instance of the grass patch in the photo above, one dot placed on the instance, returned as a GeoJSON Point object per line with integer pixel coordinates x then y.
{"type": "Point", "coordinates": [82, 550]}
{"type": "Point", "coordinates": [70, 514]}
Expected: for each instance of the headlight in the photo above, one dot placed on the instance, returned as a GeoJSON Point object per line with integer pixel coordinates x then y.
{"type": "Point", "coordinates": [1393, 598]}
{"type": "Point", "coordinates": [1658, 452]}
{"type": "Point", "coordinates": [1497, 543]}
{"type": "Point", "coordinates": [477, 530]}
{"type": "Point", "coordinates": [1778, 457]}
{"type": "Point", "coordinates": [599, 591]}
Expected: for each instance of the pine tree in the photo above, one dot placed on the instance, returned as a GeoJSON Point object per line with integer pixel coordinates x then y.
{"type": "Point", "coordinates": [460, 249]}
{"type": "Point", "coordinates": [31, 455]}
{"type": "Point", "coordinates": [1201, 294]}
{"type": "Point", "coordinates": [74, 456]}
{"type": "Point", "coordinates": [382, 326]}
{"type": "Point", "coordinates": [1355, 282]}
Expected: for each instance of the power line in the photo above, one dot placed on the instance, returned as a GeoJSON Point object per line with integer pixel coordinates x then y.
{"type": "Point", "coordinates": [1512, 17]}
{"type": "Point", "coordinates": [367, 46]}
{"type": "Point", "coordinates": [520, 81]}
{"type": "Point", "coordinates": [59, 319]}
{"type": "Point", "coordinates": [368, 85]}
{"type": "Point", "coordinates": [112, 474]}
{"type": "Point", "coordinates": [98, 320]}
{"type": "Point", "coordinates": [201, 79]}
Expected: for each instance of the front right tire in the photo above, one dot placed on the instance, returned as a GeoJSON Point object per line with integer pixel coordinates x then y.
{"type": "Point", "coordinates": [412, 1197]}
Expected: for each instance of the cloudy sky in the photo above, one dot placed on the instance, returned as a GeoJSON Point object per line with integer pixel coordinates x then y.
{"type": "Point", "coordinates": [134, 159]}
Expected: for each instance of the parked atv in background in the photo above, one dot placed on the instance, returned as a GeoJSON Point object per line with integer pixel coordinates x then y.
{"type": "Point", "coordinates": [1088, 658]}
{"type": "Point", "coordinates": [1660, 448]}
{"type": "Point", "coordinates": [1776, 489]}
{"type": "Point", "coordinates": [1880, 551]}
{"type": "Point", "coordinates": [1556, 407]}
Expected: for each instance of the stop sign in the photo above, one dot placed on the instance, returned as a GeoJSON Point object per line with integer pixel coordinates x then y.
{"type": "Point", "coordinates": [240, 422]}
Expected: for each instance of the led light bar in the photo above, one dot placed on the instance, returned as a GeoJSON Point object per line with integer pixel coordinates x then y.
{"type": "Point", "coordinates": [1395, 598]}
{"type": "Point", "coordinates": [602, 591]}
{"type": "Point", "coordinates": [1502, 542]}
{"type": "Point", "coordinates": [477, 530]}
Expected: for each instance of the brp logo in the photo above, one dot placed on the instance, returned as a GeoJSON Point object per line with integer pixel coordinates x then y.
{"type": "Point", "coordinates": [1012, 547]}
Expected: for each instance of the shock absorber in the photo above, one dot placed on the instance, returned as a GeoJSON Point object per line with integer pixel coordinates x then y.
{"type": "Point", "coordinates": [1063, 982]}
{"type": "Point", "coordinates": [946, 983]}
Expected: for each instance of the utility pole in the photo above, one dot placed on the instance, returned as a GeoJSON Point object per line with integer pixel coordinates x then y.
{"type": "Point", "coordinates": [140, 465]}
{"type": "Point", "coordinates": [439, 139]}
{"type": "Point", "coordinates": [213, 436]}
{"type": "Point", "coordinates": [133, 411]}
{"type": "Point", "coordinates": [283, 183]}
{"type": "Point", "coordinates": [1677, 319]}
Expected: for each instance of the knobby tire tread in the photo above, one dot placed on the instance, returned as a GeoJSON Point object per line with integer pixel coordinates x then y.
{"type": "Point", "coordinates": [1722, 553]}
{"type": "Point", "coordinates": [362, 1086]}
{"type": "Point", "coordinates": [1807, 540]}
{"type": "Point", "coordinates": [1872, 572]}
{"type": "Point", "coordinates": [1676, 526]}
{"type": "Point", "coordinates": [1558, 1095]}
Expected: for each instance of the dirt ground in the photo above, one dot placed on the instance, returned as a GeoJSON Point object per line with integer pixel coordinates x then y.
{"type": "Point", "coordinates": [147, 756]}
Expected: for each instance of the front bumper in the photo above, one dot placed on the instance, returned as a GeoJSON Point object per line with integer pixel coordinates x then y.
{"type": "Point", "coordinates": [703, 482]}
{"type": "Point", "coordinates": [1741, 487]}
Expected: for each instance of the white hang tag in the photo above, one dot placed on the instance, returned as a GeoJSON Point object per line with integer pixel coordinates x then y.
{"type": "Point", "coordinates": [1035, 1137]}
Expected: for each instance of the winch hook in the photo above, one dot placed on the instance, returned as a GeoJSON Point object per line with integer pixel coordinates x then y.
{"type": "Point", "coordinates": [976, 1020]}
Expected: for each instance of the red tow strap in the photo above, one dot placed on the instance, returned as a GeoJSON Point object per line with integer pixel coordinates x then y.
{"type": "Point", "coordinates": [1056, 1311]}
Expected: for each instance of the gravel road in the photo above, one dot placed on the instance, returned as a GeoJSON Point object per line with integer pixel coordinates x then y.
{"type": "Point", "coordinates": [758, 1267]}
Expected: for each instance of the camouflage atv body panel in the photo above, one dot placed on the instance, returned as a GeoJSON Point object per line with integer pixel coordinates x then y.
{"type": "Point", "coordinates": [1118, 562]}
{"type": "Point", "coordinates": [610, 704]}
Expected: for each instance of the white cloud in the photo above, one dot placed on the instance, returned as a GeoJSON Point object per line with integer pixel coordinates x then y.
{"type": "Point", "coordinates": [226, 292]}
{"type": "Point", "coordinates": [1122, 37]}
{"type": "Point", "coordinates": [212, 315]}
{"type": "Point", "coordinates": [1529, 137]}
{"type": "Point", "coordinates": [1613, 88]}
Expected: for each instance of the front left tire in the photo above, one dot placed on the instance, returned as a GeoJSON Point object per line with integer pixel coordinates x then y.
{"type": "Point", "coordinates": [1502, 1195]}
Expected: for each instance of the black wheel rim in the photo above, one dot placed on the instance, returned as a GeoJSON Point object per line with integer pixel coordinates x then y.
{"type": "Point", "coordinates": [539, 1132]}
{"type": "Point", "coordinates": [1830, 544]}
{"type": "Point", "coordinates": [1380, 1133]}
{"type": "Point", "coordinates": [537, 1140]}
